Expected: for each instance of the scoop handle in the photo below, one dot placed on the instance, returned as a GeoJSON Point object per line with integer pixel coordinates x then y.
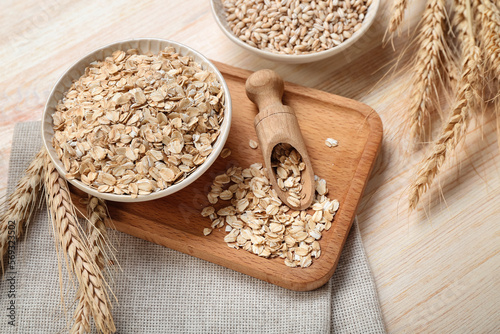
{"type": "Point", "coordinates": [265, 89]}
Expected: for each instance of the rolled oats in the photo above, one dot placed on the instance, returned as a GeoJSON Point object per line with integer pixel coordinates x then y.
{"type": "Point", "coordinates": [225, 153]}
{"type": "Point", "coordinates": [253, 144]}
{"type": "Point", "coordinates": [288, 166]}
{"type": "Point", "coordinates": [257, 221]}
{"type": "Point", "coordinates": [138, 123]}
{"type": "Point", "coordinates": [330, 142]}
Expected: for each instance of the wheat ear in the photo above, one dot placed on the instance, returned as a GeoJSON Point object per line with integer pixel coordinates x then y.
{"type": "Point", "coordinates": [431, 50]}
{"type": "Point", "coordinates": [20, 204]}
{"type": "Point", "coordinates": [397, 15]}
{"type": "Point", "coordinates": [79, 260]}
{"type": "Point", "coordinates": [490, 35]}
{"type": "Point", "coordinates": [97, 242]}
{"type": "Point", "coordinates": [467, 99]}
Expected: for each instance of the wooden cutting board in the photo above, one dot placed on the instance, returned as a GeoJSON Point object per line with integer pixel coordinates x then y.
{"type": "Point", "coordinates": [175, 221]}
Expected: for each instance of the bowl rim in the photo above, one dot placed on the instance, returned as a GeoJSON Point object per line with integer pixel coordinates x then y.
{"type": "Point", "coordinates": [200, 170]}
{"type": "Point", "coordinates": [365, 25]}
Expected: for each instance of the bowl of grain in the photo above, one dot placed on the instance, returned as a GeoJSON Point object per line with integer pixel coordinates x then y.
{"type": "Point", "coordinates": [294, 31]}
{"type": "Point", "coordinates": [137, 120]}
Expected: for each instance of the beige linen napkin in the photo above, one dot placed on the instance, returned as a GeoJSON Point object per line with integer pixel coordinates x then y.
{"type": "Point", "coordinates": [163, 291]}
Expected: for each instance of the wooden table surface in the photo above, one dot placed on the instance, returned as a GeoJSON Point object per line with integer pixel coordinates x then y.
{"type": "Point", "coordinates": [437, 270]}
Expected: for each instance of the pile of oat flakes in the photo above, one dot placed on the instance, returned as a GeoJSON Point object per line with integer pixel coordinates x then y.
{"type": "Point", "coordinates": [258, 222]}
{"type": "Point", "coordinates": [138, 123]}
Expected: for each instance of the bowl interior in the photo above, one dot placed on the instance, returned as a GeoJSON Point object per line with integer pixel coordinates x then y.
{"type": "Point", "coordinates": [220, 18]}
{"type": "Point", "coordinates": [144, 45]}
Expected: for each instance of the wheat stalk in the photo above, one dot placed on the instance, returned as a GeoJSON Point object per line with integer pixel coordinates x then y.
{"type": "Point", "coordinates": [467, 99]}
{"type": "Point", "coordinates": [432, 49]}
{"type": "Point", "coordinates": [397, 15]}
{"type": "Point", "coordinates": [78, 258]}
{"type": "Point", "coordinates": [20, 204]}
{"type": "Point", "coordinates": [490, 34]}
{"type": "Point", "coordinates": [97, 241]}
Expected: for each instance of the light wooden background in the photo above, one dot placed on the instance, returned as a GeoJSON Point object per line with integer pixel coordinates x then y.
{"type": "Point", "coordinates": [437, 270]}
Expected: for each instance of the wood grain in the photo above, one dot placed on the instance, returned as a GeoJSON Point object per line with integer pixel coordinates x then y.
{"type": "Point", "coordinates": [175, 221]}
{"type": "Point", "coordinates": [436, 270]}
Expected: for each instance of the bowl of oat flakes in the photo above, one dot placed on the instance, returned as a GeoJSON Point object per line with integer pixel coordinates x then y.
{"type": "Point", "coordinates": [137, 120]}
{"type": "Point", "coordinates": [294, 31]}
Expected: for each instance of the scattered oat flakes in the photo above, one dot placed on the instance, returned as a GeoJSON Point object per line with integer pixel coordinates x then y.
{"type": "Point", "coordinates": [330, 142]}
{"type": "Point", "coordinates": [207, 211]}
{"type": "Point", "coordinates": [225, 153]}
{"type": "Point", "coordinates": [253, 144]}
{"type": "Point", "coordinates": [207, 231]}
{"type": "Point", "coordinates": [138, 123]}
{"type": "Point", "coordinates": [257, 221]}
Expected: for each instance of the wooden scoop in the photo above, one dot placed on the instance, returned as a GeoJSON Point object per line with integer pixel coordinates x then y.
{"type": "Point", "coordinates": [276, 124]}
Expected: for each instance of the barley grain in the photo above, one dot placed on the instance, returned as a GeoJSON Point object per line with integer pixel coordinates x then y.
{"type": "Point", "coordinates": [294, 27]}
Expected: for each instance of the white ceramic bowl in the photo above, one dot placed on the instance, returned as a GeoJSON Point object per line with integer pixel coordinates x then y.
{"type": "Point", "coordinates": [144, 45]}
{"type": "Point", "coordinates": [220, 18]}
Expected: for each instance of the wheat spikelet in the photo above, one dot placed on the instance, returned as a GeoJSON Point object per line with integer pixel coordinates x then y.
{"type": "Point", "coordinates": [497, 114]}
{"type": "Point", "coordinates": [432, 50]}
{"type": "Point", "coordinates": [82, 316]}
{"type": "Point", "coordinates": [20, 203]}
{"type": "Point", "coordinates": [97, 241]}
{"type": "Point", "coordinates": [79, 261]}
{"type": "Point", "coordinates": [490, 34]}
{"type": "Point", "coordinates": [397, 15]}
{"type": "Point", "coordinates": [453, 71]}
{"type": "Point", "coordinates": [98, 238]}
{"type": "Point", "coordinates": [467, 100]}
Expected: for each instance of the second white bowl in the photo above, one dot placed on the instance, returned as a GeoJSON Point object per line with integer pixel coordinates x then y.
{"type": "Point", "coordinates": [220, 18]}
